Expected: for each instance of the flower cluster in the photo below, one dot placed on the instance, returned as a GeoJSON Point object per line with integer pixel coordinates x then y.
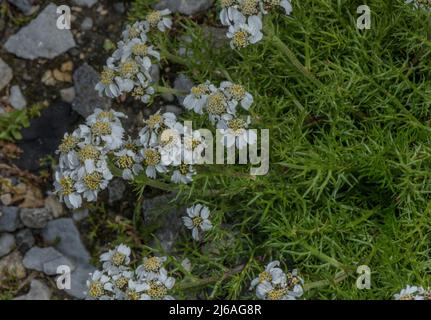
{"type": "Point", "coordinates": [118, 281]}
{"type": "Point", "coordinates": [221, 106]}
{"type": "Point", "coordinates": [244, 19]}
{"type": "Point", "coordinates": [413, 293]}
{"type": "Point", "coordinates": [274, 284]}
{"type": "Point", "coordinates": [83, 162]}
{"type": "Point", "coordinates": [197, 220]}
{"type": "Point", "coordinates": [128, 70]}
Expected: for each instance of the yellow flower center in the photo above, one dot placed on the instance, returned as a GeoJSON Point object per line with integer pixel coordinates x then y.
{"type": "Point", "coordinates": [237, 126]}
{"type": "Point", "coordinates": [118, 258]}
{"type": "Point", "coordinates": [152, 264]}
{"type": "Point", "coordinates": [66, 186]}
{"type": "Point", "coordinates": [133, 32]}
{"type": "Point", "coordinates": [107, 76]}
{"type": "Point", "coordinates": [276, 294]}
{"type": "Point", "coordinates": [157, 291]}
{"type": "Point", "coordinates": [169, 137]}
{"type": "Point", "coordinates": [88, 152]}
{"type": "Point", "coordinates": [129, 68]}
{"type": "Point", "coordinates": [92, 180]}
{"type": "Point", "coordinates": [216, 103]}
{"type": "Point", "coordinates": [227, 3]}
{"type": "Point", "coordinates": [108, 115]}
{"type": "Point", "coordinates": [200, 90]}
{"type": "Point", "coordinates": [237, 91]}
{"type": "Point", "coordinates": [270, 4]}
{"type": "Point", "coordinates": [191, 143]}
{"type": "Point", "coordinates": [140, 49]}
{"type": "Point", "coordinates": [131, 146]}
{"type": "Point", "coordinates": [101, 128]}
{"type": "Point", "coordinates": [152, 157]}
{"type": "Point", "coordinates": [407, 297]}
{"type": "Point", "coordinates": [153, 18]}
{"type": "Point", "coordinates": [96, 289]}
{"type": "Point", "coordinates": [121, 283]}
{"type": "Point", "coordinates": [265, 276]}
{"type": "Point", "coordinates": [154, 121]}
{"type": "Point", "coordinates": [125, 162]}
{"type": "Point", "coordinates": [197, 221]}
{"type": "Point", "coordinates": [67, 144]}
{"type": "Point", "coordinates": [184, 169]}
{"type": "Point", "coordinates": [133, 295]}
{"type": "Point", "coordinates": [250, 7]}
{"type": "Point", "coordinates": [240, 39]}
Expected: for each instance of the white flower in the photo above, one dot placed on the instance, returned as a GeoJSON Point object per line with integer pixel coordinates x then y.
{"type": "Point", "coordinates": [98, 287]}
{"type": "Point", "coordinates": [294, 284]}
{"type": "Point", "coordinates": [268, 291]}
{"type": "Point", "coordinates": [194, 146]}
{"type": "Point", "coordinates": [115, 260]}
{"type": "Point", "coordinates": [236, 94]}
{"type": "Point", "coordinates": [150, 267]}
{"type": "Point", "coordinates": [410, 293]}
{"type": "Point", "coordinates": [65, 189]}
{"type": "Point", "coordinates": [152, 161]}
{"type": "Point", "coordinates": [158, 287]}
{"type": "Point", "coordinates": [216, 106]}
{"type": "Point", "coordinates": [198, 96]}
{"type": "Point", "coordinates": [105, 116]}
{"type": "Point", "coordinates": [183, 174]}
{"type": "Point", "coordinates": [229, 13]}
{"type": "Point", "coordinates": [108, 84]}
{"type": "Point", "coordinates": [135, 31]}
{"type": "Point", "coordinates": [135, 290]}
{"type": "Point", "coordinates": [129, 162]}
{"type": "Point", "coordinates": [243, 34]}
{"type": "Point", "coordinates": [120, 283]}
{"type": "Point", "coordinates": [234, 132]}
{"type": "Point", "coordinates": [268, 5]}
{"type": "Point", "coordinates": [272, 274]}
{"type": "Point", "coordinates": [106, 134]}
{"type": "Point", "coordinates": [139, 50]}
{"type": "Point", "coordinates": [154, 126]}
{"type": "Point", "coordinates": [159, 19]}
{"type": "Point", "coordinates": [197, 220]}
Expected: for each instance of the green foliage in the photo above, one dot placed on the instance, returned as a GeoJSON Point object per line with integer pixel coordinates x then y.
{"type": "Point", "coordinates": [350, 160]}
{"type": "Point", "coordinates": [11, 123]}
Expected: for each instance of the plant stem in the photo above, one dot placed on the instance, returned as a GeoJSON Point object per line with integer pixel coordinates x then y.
{"type": "Point", "coordinates": [162, 89]}
{"type": "Point", "coordinates": [173, 58]}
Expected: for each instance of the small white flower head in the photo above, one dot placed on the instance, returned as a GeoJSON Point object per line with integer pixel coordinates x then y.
{"type": "Point", "coordinates": [183, 174]}
{"type": "Point", "coordinates": [159, 19]}
{"type": "Point", "coordinates": [99, 287]}
{"type": "Point", "coordinates": [120, 283]}
{"type": "Point", "coordinates": [194, 146]}
{"type": "Point", "coordinates": [65, 188]}
{"type": "Point", "coordinates": [141, 51]}
{"type": "Point", "coordinates": [198, 96]}
{"type": "Point", "coordinates": [154, 126]}
{"type": "Point", "coordinates": [136, 30]}
{"type": "Point", "coordinates": [108, 84]}
{"type": "Point", "coordinates": [249, 7]}
{"type": "Point", "coordinates": [157, 287]}
{"type": "Point", "coordinates": [272, 274]}
{"type": "Point", "coordinates": [269, 291]}
{"type": "Point", "coordinates": [152, 161]}
{"type": "Point", "coordinates": [216, 106]}
{"type": "Point", "coordinates": [129, 162]}
{"type": "Point", "coordinates": [115, 261]}
{"type": "Point", "coordinates": [235, 132]}
{"type": "Point", "coordinates": [269, 5]}
{"type": "Point", "coordinates": [197, 220]}
{"type": "Point", "coordinates": [410, 293]}
{"type": "Point", "coordinates": [243, 34]}
{"type": "Point", "coordinates": [150, 267]}
{"type": "Point", "coordinates": [91, 182]}
{"type": "Point", "coordinates": [294, 284]}
{"type": "Point", "coordinates": [135, 290]}
{"type": "Point", "coordinates": [236, 94]}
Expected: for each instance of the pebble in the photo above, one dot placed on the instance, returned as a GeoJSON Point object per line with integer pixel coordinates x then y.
{"type": "Point", "coordinates": [67, 94]}
{"type": "Point", "coordinates": [87, 24]}
{"type": "Point", "coordinates": [80, 214]}
{"type": "Point", "coordinates": [54, 206]}
{"type": "Point", "coordinates": [35, 218]}
{"type": "Point", "coordinates": [9, 219]}
{"type": "Point", "coordinates": [7, 243]}
{"type": "Point", "coordinates": [38, 291]}
{"type": "Point", "coordinates": [46, 260]}
{"type": "Point", "coordinates": [85, 3]}
{"type": "Point", "coordinates": [182, 83]}
{"type": "Point", "coordinates": [16, 98]}
{"type": "Point", "coordinates": [11, 267]}
{"type": "Point", "coordinates": [116, 190]}
{"type": "Point", "coordinates": [24, 240]}
{"type": "Point", "coordinates": [186, 7]}
{"type": "Point", "coordinates": [6, 74]}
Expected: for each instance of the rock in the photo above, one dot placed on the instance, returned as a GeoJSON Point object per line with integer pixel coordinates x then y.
{"type": "Point", "coordinates": [155, 73]}
{"type": "Point", "coordinates": [61, 76]}
{"type": "Point", "coordinates": [166, 216]}
{"type": "Point", "coordinates": [6, 74]}
{"type": "Point", "coordinates": [65, 235]}
{"type": "Point", "coordinates": [26, 6]}
{"type": "Point", "coordinates": [9, 219]}
{"type": "Point", "coordinates": [35, 218]}
{"type": "Point", "coordinates": [24, 240]}
{"type": "Point", "coordinates": [119, 7]}
{"type": "Point", "coordinates": [168, 97]}
{"type": "Point", "coordinates": [41, 38]}
{"type": "Point", "coordinates": [44, 135]}
{"type": "Point", "coordinates": [11, 267]}
{"type": "Point", "coordinates": [79, 279]}
{"type": "Point", "coordinates": [87, 24]}
{"type": "Point", "coordinates": [38, 291]}
{"type": "Point", "coordinates": [87, 98]}
{"type": "Point", "coordinates": [80, 214]}
{"type": "Point", "coordinates": [54, 206]}
{"type": "Point", "coordinates": [6, 199]}
{"type": "Point", "coordinates": [46, 260]}
{"type": "Point", "coordinates": [217, 36]}
{"type": "Point", "coordinates": [48, 78]}
{"type": "Point", "coordinates": [7, 243]}
{"type": "Point", "coordinates": [185, 6]}
{"type": "Point", "coordinates": [172, 108]}
{"type": "Point", "coordinates": [16, 98]}
{"type": "Point", "coordinates": [85, 3]}
{"type": "Point", "coordinates": [182, 83]}
{"type": "Point", "coordinates": [116, 190]}
{"type": "Point", "coordinates": [68, 94]}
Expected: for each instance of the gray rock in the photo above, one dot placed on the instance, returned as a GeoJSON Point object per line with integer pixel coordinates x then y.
{"type": "Point", "coordinates": [172, 108]}
{"type": "Point", "coordinates": [38, 291]}
{"type": "Point", "coordinates": [217, 36]}
{"type": "Point", "coordinates": [119, 7]}
{"type": "Point", "coordinates": [41, 38]}
{"type": "Point", "coordinates": [65, 235]}
{"type": "Point", "coordinates": [11, 267]}
{"type": "Point", "coordinates": [87, 98]}
{"type": "Point", "coordinates": [182, 83]}
{"type": "Point", "coordinates": [187, 7]}
{"type": "Point", "coordinates": [26, 6]}
{"type": "Point", "coordinates": [7, 243]}
{"type": "Point", "coordinates": [68, 94]}
{"type": "Point", "coordinates": [6, 74]}
{"type": "Point", "coordinates": [80, 214]}
{"type": "Point", "coordinates": [78, 279]}
{"type": "Point", "coordinates": [16, 98]}
{"type": "Point", "coordinates": [155, 73]}
{"type": "Point", "coordinates": [35, 218]}
{"type": "Point", "coordinates": [87, 24]}
{"type": "Point", "coordinates": [9, 219]}
{"type": "Point", "coordinates": [116, 190]}
{"type": "Point", "coordinates": [85, 3]}
{"type": "Point", "coordinates": [24, 240]}
{"type": "Point", "coordinates": [166, 216]}
{"type": "Point", "coordinates": [46, 260]}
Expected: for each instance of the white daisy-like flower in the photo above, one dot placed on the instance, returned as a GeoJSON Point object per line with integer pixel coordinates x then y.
{"type": "Point", "coordinates": [68, 159]}
{"type": "Point", "coordinates": [157, 287]}
{"type": "Point", "coordinates": [183, 174]}
{"type": "Point", "coordinates": [234, 132]}
{"type": "Point", "coordinates": [229, 12]}
{"type": "Point", "coordinates": [65, 188]}
{"type": "Point", "coordinates": [159, 19]}
{"type": "Point", "coordinates": [216, 106]}
{"type": "Point", "coordinates": [135, 290]}
{"type": "Point", "coordinates": [198, 96]}
{"type": "Point", "coordinates": [120, 283]}
{"type": "Point", "coordinates": [150, 267]}
{"type": "Point", "coordinates": [410, 293]}
{"type": "Point", "coordinates": [243, 34]}
{"type": "Point", "coordinates": [105, 116]}
{"type": "Point", "coordinates": [109, 83]}
{"type": "Point", "coordinates": [294, 284]}
{"type": "Point", "coordinates": [129, 162]}
{"type": "Point", "coordinates": [152, 162]}
{"type": "Point", "coordinates": [197, 220]}
{"type": "Point", "coordinates": [268, 5]}
{"type": "Point", "coordinates": [269, 291]}
{"type": "Point", "coordinates": [99, 287]}
{"type": "Point", "coordinates": [135, 30]}
{"type": "Point", "coordinates": [107, 134]}
{"type": "Point", "coordinates": [236, 94]}
{"type": "Point", "coordinates": [154, 126]}
{"type": "Point", "coordinates": [272, 274]}
{"type": "Point", "coordinates": [141, 51]}
{"type": "Point", "coordinates": [194, 146]}
{"type": "Point", "coordinates": [115, 260]}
